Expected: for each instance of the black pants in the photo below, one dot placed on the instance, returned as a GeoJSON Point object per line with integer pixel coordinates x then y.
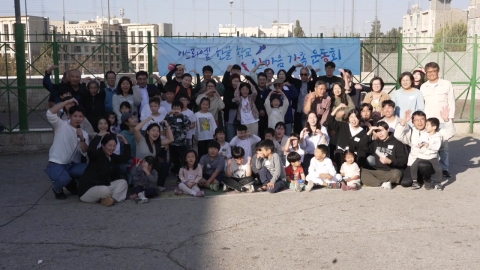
{"type": "Point", "coordinates": [237, 183]}
{"type": "Point", "coordinates": [339, 158]}
{"type": "Point", "coordinates": [203, 148]}
{"type": "Point", "coordinates": [162, 171]}
{"type": "Point", "coordinates": [424, 173]}
{"type": "Point", "coordinates": [262, 125]}
{"type": "Point", "coordinates": [149, 192]}
{"type": "Point", "coordinates": [177, 156]}
{"type": "Point", "coordinates": [266, 177]}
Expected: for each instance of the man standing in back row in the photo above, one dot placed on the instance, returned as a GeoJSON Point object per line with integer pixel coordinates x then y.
{"type": "Point", "coordinates": [438, 93]}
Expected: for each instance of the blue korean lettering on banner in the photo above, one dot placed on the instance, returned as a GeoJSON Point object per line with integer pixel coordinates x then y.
{"type": "Point", "coordinates": [277, 53]}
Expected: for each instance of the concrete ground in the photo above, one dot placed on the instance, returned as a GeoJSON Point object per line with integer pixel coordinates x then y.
{"type": "Point", "coordinates": [325, 229]}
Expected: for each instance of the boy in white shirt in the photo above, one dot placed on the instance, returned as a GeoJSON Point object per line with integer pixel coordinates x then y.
{"type": "Point", "coordinates": [388, 111]}
{"type": "Point", "coordinates": [169, 96]}
{"type": "Point", "coordinates": [238, 175]}
{"type": "Point", "coordinates": [245, 140]}
{"type": "Point", "coordinates": [155, 110]}
{"type": "Point", "coordinates": [428, 151]}
{"type": "Point", "coordinates": [321, 170]}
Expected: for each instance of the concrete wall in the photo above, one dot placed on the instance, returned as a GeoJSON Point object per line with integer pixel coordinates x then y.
{"type": "Point", "coordinates": [11, 143]}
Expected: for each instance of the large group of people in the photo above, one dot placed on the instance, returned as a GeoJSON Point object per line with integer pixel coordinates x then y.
{"type": "Point", "coordinates": [246, 132]}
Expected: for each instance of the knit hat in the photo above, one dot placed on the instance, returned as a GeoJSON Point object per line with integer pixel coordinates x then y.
{"type": "Point", "coordinates": [127, 116]}
{"type": "Point", "coordinates": [214, 144]}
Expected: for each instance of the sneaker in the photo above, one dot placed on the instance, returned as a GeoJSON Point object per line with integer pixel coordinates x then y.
{"type": "Point", "coordinates": [439, 187]}
{"type": "Point", "coordinates": [59, 195]}
{"type": "Point", "coordinates": [160, 188]}
{"type": "Point", "coordinates": [251, 189]}
{"type": "Point", "coordinates": [334, 185]}
{"type": "Point", "coordinates": [214, 187]}
{"type": "Point", "coordinates": [415, 185]}
{"type": "Point", "coordinates": [309, 186]}
{"type": "Point", "coordinates": [297, 187]}
{"type": "Point", "coordinates": [243, 189]}
{"type": "Point", "coordinates": [225, 188]}
{"type": "Point", "coordinates": [72, 187]}
{"type": "Point", "coordinates": [344, 186]}
{"type": "Point", "coordinates": [446, 173]}
{"type": "Point", "coordinates": [387, 185]}
{"type": "Point", "coordinates": [428, 185]}
{"type": "Point", "coordinates": [107, 201]}
{"type": "Point", "coordinates": [178, 191]}
{"type": "Point", "coordinates": [133, 196]}
{"type": "Point", "coordinates": [199, 194]}
{"type": "Point", "coordinates": [140, 200]}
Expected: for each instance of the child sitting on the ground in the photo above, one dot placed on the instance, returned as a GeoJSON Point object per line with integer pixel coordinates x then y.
{"type": "Point", "coordinates": [238, 176]}
{"type": "Point", "coordinates": [270, 168]}
{"type": "Point", "coordinates": [321, 170]}
{"type": "Point", "coordinates": [294, 172]}
{"type": "Point", "coordinates": [212, 167]}
{"type": "Point", "coordinates": [190, 174]}
{"type": "Point", "coordinates": [350, 172]}
{"type": "Point", "coordinates": [145, 179]}
{"type": "Point", "coordinates": [431, 142]}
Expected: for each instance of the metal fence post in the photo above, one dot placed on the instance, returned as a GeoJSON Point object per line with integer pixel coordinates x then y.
{"type": "Point", "coordinates": [55, 58]}
{"type": "Point", "coordinates": [399, 61]}
{"type": "Point", "coordinates": [150, 57]}
{"type": "Point", "coordinates": [21, 75]}
{"type": "Point", "coordinates": [473, 83]}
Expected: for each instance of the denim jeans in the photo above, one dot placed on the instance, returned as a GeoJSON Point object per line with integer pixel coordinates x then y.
{"type": "Point", "coordinates": [231, 131]}
{"type": "Point", "coordinates": [61, 174]}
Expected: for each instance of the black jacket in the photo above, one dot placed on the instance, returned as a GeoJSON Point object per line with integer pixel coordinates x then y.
{"type": "Point", "coordinates": [94, 106]}
{"type": "Point", "coordinates": [345, 138]}
{"type": "Point", "coordinates": [100, 168]}
{"type": "Point", "coordinates": [298, 83]}
{"type": "Point", "coordinates": [391, 148]}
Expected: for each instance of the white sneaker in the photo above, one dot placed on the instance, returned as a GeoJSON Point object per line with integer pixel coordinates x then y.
{"type": "Point", "coordinates": [141, 198]}
{"type": "Point", "coordinates": [387, 185]}
{"type": "Point", "coordinates": [251, 189]}
{"type": "Point", "coordinates": [225, 188]}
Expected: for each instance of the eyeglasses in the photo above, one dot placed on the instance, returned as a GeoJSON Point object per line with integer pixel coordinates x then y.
{"type": "Point", "coordinates": [304, 74]}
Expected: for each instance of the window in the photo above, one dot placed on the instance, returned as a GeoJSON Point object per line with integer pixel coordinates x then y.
{"type": "Point", "coordinates": [117, 37]}
{"type": "Point", "coordinates": [142, 58]}
{"type": "Point", "coordinates": [142, 66]}
{"type": "Point", "coordinates": [118, 65]}
{"type": "Point", "coordinates": [5, 31]}
{"type": "Point", "coordinates": [77, 49]}
{"type": "Point", "coordinates": [149, 33]}
{"type": "Point", "coordinates": [93, 48]}
{"type": "Point", "coordinates": [117, 50]}
{"type": "Point", "coordinates": [133, 50]}
{"type": "Point", "coordinates": [87, 49]}
{"type": "Point", "coordinates": [140, 37]}
{"type": "Point", "coordinates": [132, 35]}
{"type": "Point", "coordinates": [134, 66]}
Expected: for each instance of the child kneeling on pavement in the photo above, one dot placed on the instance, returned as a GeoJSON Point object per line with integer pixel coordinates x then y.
{"type": "Point", "coordinates": [238, 175]}
{"type": "Point", "coordinates": [321, 170]}
{"type": "Point", "coordinates": [270, 168]}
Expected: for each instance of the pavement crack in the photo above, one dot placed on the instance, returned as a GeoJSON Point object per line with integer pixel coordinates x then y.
{"type": "Point", "coordinates": [86, 245]}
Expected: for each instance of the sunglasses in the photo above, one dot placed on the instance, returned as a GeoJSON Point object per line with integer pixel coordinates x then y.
{"type": "Point", "coordinates": [304, 74]}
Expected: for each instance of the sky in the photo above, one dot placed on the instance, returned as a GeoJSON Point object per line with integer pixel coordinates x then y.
{"type": "Point", "coordinates": [204, 16]}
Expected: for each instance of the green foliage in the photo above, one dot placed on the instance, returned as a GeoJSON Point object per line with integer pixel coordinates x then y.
{"type": "Point", "coordinates": [451, 38]}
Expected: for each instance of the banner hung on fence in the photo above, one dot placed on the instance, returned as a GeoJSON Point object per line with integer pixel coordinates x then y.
{"type": "Point", "coordinates": [278, 53]}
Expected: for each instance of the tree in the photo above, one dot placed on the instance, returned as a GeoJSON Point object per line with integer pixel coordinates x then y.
{"type": "Point", "coordinates": [451, 38]}
{"type": "Point", "coordinates": [378, 42]}
{"type": "Point", "coordinates": [298, 31]}
{"type": "Point", "coordinates": [8, 65]}
{"type": "Point", "coordinates": [42, 61]}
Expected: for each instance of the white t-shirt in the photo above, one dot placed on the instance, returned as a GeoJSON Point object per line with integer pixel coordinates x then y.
{"type": "Point", "coordinates": [246, 113]}
{"type": "Point", "coordinates": [145, 98]}
{"type": "Point", "coordinates": [146, 112]}
{"type": "Point", "coordinates": [65, 142]}
{"type": "Point", "coordinates": [246, 144]}
{"type": "Point", "coordinates": [191, 116]}
{"type": "Point", "coordinates": [166, 105]}
{"type": "Point", "coordinates": [225, 150]}
{"type": "Point", "coordinates": [205, 126]}
{"type": "Point", "coordinates": [350, 170]}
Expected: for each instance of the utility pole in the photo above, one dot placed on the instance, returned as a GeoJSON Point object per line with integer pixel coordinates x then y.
{"type": "Point", "coordinates": [353, 17]}
{"type": "Point", "coordinates": [231, 17]}
{"type": "Point", "coordinates": [63, 5]}
{"type": "Point", "coordinates": [19, 33]}
{"type": "Point", "coordinates": [109, 38]}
